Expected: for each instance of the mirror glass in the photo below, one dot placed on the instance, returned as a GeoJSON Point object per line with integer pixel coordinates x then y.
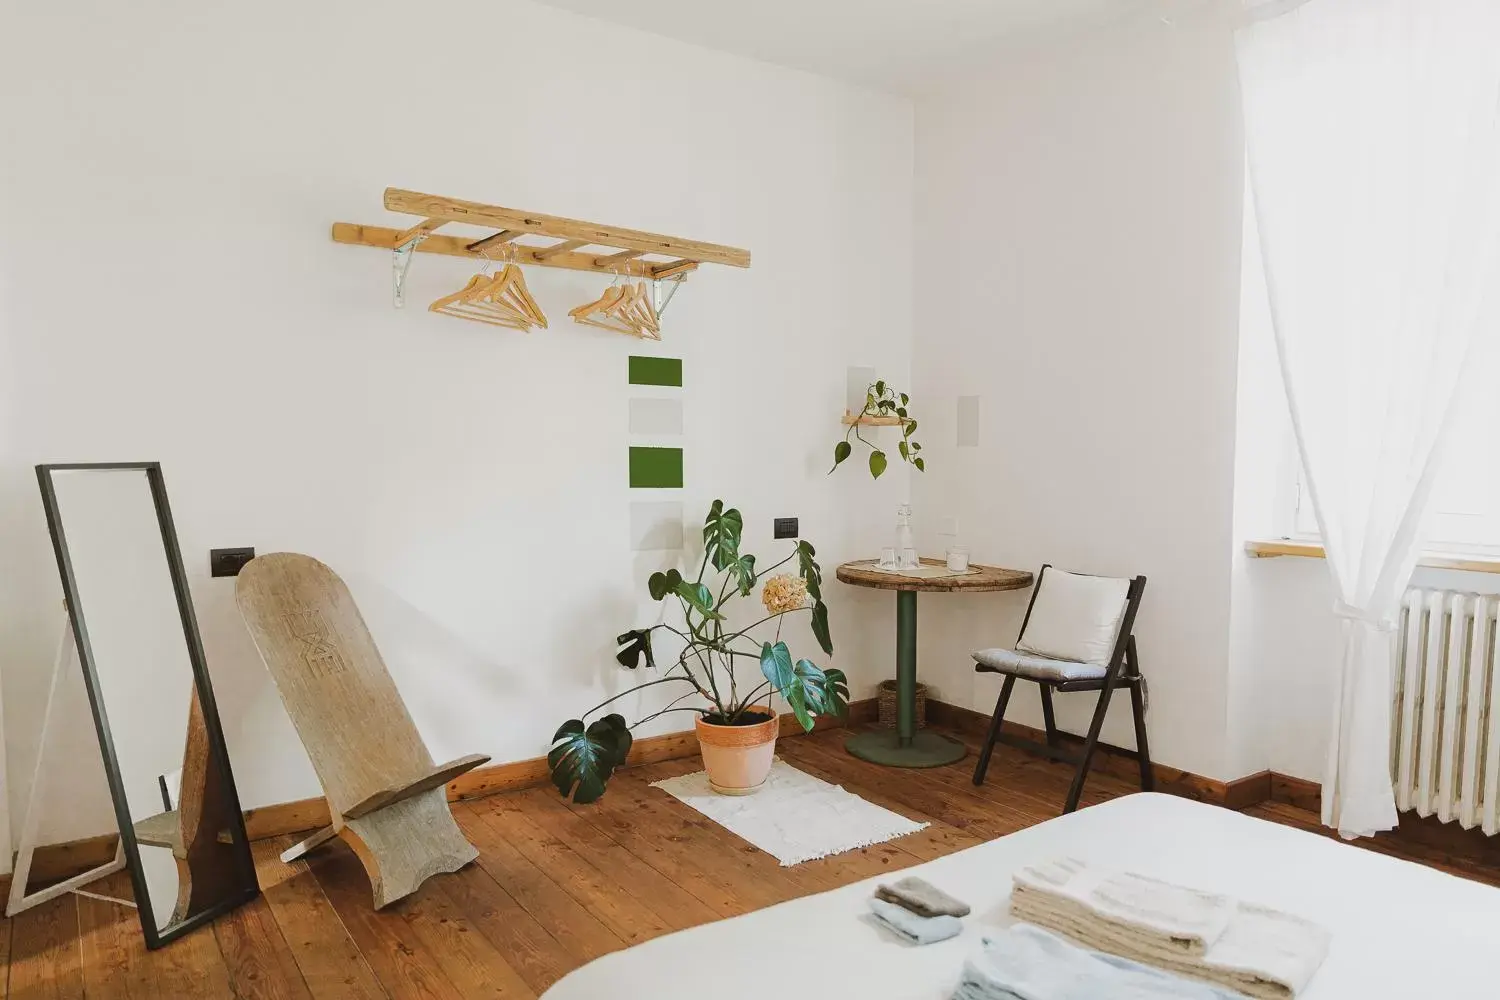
{"type": "Point", "coordinates": [142, 660]}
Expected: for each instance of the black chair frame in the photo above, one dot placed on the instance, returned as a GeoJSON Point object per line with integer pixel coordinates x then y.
{"type": "Point", "coordinates": [1124, 670]}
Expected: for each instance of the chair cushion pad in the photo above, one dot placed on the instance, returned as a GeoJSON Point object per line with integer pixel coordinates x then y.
{"type": "Point", "coordinates": [1040, 668]}
{"type": "Point", "coordinates": [1075, 617]}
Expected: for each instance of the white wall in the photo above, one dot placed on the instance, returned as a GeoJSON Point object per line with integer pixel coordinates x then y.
{"type": "Point", "coordinates": [1078, 228]}
{"type": "Point", "coordinates": [169, 174]}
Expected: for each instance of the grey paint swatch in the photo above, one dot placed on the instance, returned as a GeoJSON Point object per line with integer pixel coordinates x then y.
{"type": "Point", "coordinates": [655, 416]}
{"type": "Point", "coordinates": [656, 526]}
{"type": "Point", "coordinates": [968, 421]}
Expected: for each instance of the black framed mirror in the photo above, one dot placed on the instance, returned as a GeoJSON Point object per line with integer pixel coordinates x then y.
{"type": "Point", "coordinates": [179, 817]}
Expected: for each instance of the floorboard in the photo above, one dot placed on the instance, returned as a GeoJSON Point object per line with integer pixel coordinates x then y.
{"type": "Point", "coordinates": [45, 958]}
{"type": "Point", "coordinates": [329, 960]}
{"type": "Point", "coordinates": [556, 885]}
{"type": "Point", "coordinates": [260, 964]}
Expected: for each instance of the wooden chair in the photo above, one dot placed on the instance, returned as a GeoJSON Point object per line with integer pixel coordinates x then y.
{"type": "Point", "coordinates": [1101, 659]}
{"type": "Point", "coordinates": [209, 867]}
{"type": "Point", "coordinates": [386, 796]}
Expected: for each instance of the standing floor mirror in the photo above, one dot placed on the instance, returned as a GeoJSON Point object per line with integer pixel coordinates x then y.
{"type": "Point", "coordinates": [181, 828]}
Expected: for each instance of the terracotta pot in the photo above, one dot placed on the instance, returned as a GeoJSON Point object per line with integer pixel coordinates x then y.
{"type": "Point", "coordinates": [738, 758]}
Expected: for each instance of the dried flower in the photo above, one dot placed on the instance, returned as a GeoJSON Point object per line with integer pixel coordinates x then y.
{"type": "Point", "coordinates": [784, 592]}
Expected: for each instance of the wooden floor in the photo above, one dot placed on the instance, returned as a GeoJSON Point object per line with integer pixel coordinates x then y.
{"type": "Point", "coordinates": [555, 886]}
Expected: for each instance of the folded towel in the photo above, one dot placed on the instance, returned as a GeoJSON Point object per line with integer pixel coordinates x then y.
{"type": "Point", "coordinates": [911, 928]}
{"type": "Point", "coordinates": [1183, 920]}
{"type": "Point", "coordinates": [922, 897]}
{"type": "Point", "coordinates": [1026, 963]}
{"type": "Point", "coordinates": [1261, 952]}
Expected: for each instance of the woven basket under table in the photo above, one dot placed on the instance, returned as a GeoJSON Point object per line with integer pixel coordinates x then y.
{"type": "Point", "coordinates": [887, 704]}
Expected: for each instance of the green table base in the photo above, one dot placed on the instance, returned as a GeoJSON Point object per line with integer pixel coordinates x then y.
{"type": "Point", "coordinates": [906, 746]}
{"type": "Point", "coordinates": [923, 750]}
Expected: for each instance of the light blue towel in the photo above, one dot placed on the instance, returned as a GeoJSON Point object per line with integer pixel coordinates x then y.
{"type": "Point", "coordinates": [1027, 963]}
{"type": "Point", "coordinates": [912, 927]}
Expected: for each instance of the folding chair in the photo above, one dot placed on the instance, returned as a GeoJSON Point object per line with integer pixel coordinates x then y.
{"type": "Point", "coordinates": [1076, 636]}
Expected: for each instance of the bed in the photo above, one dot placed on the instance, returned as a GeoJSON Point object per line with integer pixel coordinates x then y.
{"type": "Point", "coordinates": [1399, 929]}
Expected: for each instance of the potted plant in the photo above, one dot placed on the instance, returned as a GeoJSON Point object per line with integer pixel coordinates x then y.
{"type": "Point", "coordinates": [736, 730]}
{"type": "Point", "coordinates": [883, 405]}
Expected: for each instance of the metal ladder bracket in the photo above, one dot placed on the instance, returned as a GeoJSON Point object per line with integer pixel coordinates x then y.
{"type": "Point", "coordinates": [400, 262]}
{"type": "Point", "coordinates": [660, 300]}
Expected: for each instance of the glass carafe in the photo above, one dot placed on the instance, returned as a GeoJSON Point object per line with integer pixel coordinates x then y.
{"type": "Point", "coordinates": [906, 547]}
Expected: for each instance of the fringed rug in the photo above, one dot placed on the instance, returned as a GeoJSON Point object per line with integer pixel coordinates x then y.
{"type": "Point", "coordinates": [794, 817]}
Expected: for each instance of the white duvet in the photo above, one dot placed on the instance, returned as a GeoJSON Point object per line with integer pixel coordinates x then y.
{"type": "Point", "coordinates": [1400, 930]}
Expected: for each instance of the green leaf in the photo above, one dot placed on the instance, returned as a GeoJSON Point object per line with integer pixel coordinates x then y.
{"type": "Point", "coordinates": [905, 451]}
{"type": "Point", "coordinates": [820, 627]}
{"type": "Point", "coordinates": [808, 569]}
{"type": "Point", "coordinates": [632, 645]}
{"type": "Point", "coordinates": [776, 664]}
{"type": "Point", "coordinates": [880, 387]}
{"type": "Point", "coordinates": [662, 584]}
{"type": "Point", "coordinates": [901, 412]}
{"type": "Point", "coordinates": [835, 693]}
{"type": "Point", "coordinates": [921, 465]}
{"type": "Point", "coordinates": [877, 463]}
{"type": "Point", "coordinates": [721, 535]}
{"type": "Point", "coordinates": [700, 598]}
{"type": "Point", "coordinates": [904, 400]}
{"type": "Point", "coordinates": [582, 760]}
{"type": "Point", "coordinates": [807, 689]}
{"type": "Point", "coordinates": [744, 573]}
{"type": "Point", "coordinates": [841, 451]}
{"type": "Point", "coordinates": [911, 428]}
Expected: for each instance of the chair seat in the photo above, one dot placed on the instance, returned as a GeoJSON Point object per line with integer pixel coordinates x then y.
{"type": "Point", "coordinates": [1034, 667]}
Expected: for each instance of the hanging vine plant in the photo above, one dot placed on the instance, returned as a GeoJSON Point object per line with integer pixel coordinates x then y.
{"type": "Point", "coordinates": [882, 401]}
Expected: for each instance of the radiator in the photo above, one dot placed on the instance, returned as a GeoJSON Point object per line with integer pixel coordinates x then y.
{"type": "Point", "coordinates": [1445, 719]}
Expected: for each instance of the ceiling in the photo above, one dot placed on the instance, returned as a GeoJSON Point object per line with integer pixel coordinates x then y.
{"type": "Point", "coordinates": [903, 46]}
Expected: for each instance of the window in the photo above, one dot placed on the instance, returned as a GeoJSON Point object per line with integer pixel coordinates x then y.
{"type": "Point", "coordinates": [1465, 513]}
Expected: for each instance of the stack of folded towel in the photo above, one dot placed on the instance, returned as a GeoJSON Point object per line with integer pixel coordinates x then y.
{"type": "Point", "coordinates": [1027, 963]}
{"type": "Point", "coordinates": [917, 911]}
{"type": "Point", "coordinates": [1253, 949]}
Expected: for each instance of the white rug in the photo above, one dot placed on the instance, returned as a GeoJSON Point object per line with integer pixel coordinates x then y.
{"type": "Point", "coordinates": [795, 817]}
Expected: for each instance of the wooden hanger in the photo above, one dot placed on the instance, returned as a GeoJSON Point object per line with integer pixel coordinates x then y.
{"type": "Point", "coordinates": [644, 313]}
{"type": "Point", "coordinates": [601, 313]}
{"type": "Point", "coordinates": [623, 309]}
{"type": "Point", "coordinates": [499, 300]}
{"type": "Point", "coordinates": [511, 289]}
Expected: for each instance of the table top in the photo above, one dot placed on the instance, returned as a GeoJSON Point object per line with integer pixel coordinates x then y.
{"type": "Point", "coordinates": [988, 578]}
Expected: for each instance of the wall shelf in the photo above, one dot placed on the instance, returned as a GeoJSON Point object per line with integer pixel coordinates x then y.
{"type": "Point", "coordinates": [866, 420]}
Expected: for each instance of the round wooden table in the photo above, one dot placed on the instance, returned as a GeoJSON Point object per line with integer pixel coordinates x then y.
{"type": "Point", "coordinates": [905, 746]}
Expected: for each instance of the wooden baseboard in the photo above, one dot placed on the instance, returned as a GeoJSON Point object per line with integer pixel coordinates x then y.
{"type": "Point", "coordinates": [1118, 761]}
{"type": "Point", "coordinates": [55, 862]}
{"type": "Point", "coordinates": [1445, 844]}
{"type": "Point", "coordinates": [1297, 792]}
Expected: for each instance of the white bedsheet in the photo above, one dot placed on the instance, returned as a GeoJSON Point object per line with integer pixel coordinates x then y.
{"type": "Point", "coordinates": [1400, 930]}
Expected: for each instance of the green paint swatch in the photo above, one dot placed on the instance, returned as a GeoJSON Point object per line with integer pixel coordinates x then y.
{"type": "Point", "coordinates": [656, 468]}
{"type": "Point", "coordinates": [655, 371]}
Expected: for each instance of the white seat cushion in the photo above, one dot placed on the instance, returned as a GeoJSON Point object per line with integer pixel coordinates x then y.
{"type": "Point", "coordinates": [1075, 617]}
{"type": "Point", "coordinates": [1038, 668]}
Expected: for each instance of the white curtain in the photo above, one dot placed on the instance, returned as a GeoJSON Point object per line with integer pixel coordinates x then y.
{"type": "Point", "coordinates": [1373, 138]}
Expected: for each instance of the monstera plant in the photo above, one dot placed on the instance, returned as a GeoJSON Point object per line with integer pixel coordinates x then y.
{"type": "Point", "coordinates": [736, 729]}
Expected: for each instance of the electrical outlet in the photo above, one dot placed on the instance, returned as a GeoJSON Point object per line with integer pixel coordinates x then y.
{"type": "Point", "coordinates": [785, 527]}
{"type": "Point", "coordinates": [228, 562]}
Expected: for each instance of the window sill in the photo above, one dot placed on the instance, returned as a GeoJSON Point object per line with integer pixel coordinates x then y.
{"type": "Point", "coordinates": [1469, 562]}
